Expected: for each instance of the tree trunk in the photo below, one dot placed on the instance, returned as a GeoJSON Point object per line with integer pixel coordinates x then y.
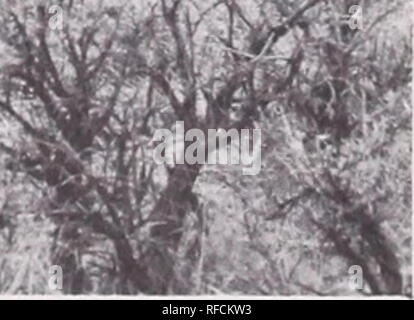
{"type": "Point", "coordinates": [169, 213]}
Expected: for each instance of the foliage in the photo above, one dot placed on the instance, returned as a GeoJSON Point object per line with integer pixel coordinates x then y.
{"type": "Point", "coordinates": [80, 189]}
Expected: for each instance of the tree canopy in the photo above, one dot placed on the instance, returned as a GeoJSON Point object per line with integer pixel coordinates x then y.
{"type": "Point", "coordinates": [81, 98]}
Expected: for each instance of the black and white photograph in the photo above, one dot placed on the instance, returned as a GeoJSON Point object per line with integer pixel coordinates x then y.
{"type": "Point", "coordinates": [206, 148]}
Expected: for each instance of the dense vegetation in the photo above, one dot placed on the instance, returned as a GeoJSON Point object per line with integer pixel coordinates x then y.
{"type": "Point", "coordinates": [80, 189]}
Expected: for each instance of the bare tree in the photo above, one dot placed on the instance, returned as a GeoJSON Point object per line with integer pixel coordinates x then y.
{"type": "Point", "coordinates": [86, 101]}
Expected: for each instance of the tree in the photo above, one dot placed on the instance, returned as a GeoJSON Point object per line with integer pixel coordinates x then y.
{"type": "Point", "coordinates": [83, 103]}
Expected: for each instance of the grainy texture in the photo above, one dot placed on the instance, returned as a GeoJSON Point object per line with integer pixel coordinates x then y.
{"type": "Point", "coordinates": [84, 85]}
